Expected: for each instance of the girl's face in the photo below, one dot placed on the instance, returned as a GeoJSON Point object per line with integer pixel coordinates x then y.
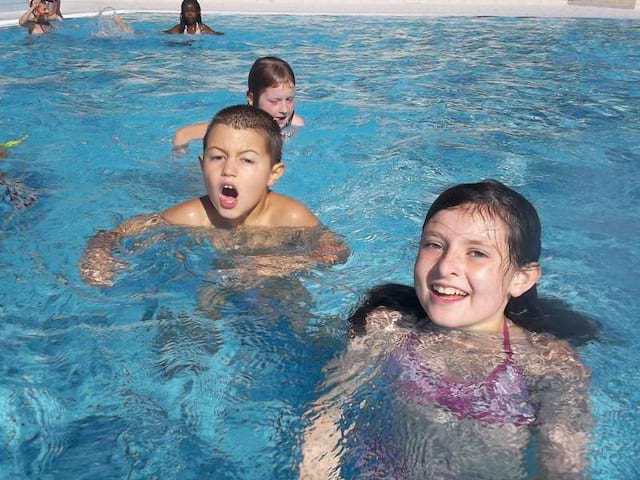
{"type": "Point", "coordinates": [190, 13]}
{"type": "Point", "coordinates": [462, 275]}
{"type": "Point", "coordinates": [278, 101]}
{"type": "Point", "coordinates": [41, 11]}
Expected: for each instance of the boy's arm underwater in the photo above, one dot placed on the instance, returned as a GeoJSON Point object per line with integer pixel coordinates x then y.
{"type": "Point", "coordinates": [564, 417]}
{"type": "Point", "coordinates": [98, 265]}
{"type": "Point", "coordinates": [184, 135]}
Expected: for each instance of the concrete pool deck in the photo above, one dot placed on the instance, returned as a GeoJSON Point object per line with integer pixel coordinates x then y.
{"type": "Point", "coordinates": [10, 10]}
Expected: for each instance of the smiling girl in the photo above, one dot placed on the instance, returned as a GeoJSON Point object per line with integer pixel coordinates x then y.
{"type": "Point", "coordinates": [469, 391]}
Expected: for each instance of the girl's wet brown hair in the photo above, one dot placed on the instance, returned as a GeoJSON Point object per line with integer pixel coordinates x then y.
{"type": "Point", "coordinates": [268, 72]}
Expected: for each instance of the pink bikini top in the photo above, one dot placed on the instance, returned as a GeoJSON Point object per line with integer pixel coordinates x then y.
{"type": "Point", "coordinates": [503, 397]}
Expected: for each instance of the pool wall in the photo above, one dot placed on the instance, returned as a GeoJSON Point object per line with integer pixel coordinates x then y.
{"type": "Point", "coordinates": [12, 9]}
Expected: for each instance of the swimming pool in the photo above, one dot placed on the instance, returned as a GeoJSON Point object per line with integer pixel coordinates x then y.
{"type": "Point", "coordinates": [147, 379]}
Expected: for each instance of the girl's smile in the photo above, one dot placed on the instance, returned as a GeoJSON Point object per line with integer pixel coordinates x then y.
{"type": "Point", "coordinates": [462, 272]}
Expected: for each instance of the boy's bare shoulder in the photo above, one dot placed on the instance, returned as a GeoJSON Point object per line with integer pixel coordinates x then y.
{"type": "Point", "coordinates": [191, 213]}
{"type": "Point", "coordinates": [288, 212]}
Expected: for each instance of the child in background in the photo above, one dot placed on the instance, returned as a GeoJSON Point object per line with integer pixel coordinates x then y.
{"type": "Point", "coordinates": [36, 18]}
{"type": "Point", "coordinates": [53, 7]}
{"type": "Point", "coordinates": [272, 88]}
{"type": "Point", "coordinates": [191, 21]}
{"type": "Point", "coordinates": [241, 161]}
{"type": "Point", "coordinates": [458, 358]}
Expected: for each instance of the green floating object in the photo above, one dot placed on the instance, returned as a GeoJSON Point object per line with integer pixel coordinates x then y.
{"type": "Point", "coordinates": [14, 143]}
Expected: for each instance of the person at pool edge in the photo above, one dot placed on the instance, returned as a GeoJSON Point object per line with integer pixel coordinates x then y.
{"type": "Point", "coordinates": [37, 17]}
{"type": "Point", "coordinates": [191, 21]}
{"type": "Point", "coordinates": [271, 86]}
{"type": "Point", "coordinates": [240, 162]}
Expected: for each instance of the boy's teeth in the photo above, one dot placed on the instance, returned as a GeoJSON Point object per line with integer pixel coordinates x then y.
{"type": "Point", "coordinates": [229, 191]}
{"type": "Point", "coordinates": [448, 291]}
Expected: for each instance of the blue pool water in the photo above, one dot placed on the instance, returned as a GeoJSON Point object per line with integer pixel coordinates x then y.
{"type": "Point", "coordinates": [154, 379]}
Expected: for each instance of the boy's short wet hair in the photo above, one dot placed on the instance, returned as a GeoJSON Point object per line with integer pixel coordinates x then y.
{"type": "Point", "coordinates": [243, 117]}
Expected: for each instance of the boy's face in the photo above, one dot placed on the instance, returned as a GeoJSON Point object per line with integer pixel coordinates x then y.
{"type": "Point", "coordinates": [237, 171]}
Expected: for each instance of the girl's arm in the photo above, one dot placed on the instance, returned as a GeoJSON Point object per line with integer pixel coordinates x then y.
{"type": "Point", "coordinates": [184, 135]}
{"type": "Point", "coordinates": [209, 31]}
{"type": "Point", "coordinates": [322, 446]}
{"type": "Point", "coordinates": [174, 29]}
{"type": "Point", "coordinates": [24, 20]}
{"type": "Point", "coordinates": [564, 416]}
{"type": "Point", "coordinates": [58, 12]}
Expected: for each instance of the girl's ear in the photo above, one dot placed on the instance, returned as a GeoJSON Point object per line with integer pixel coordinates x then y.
{"type": "Point", "coordinates": [525, 278]}
{"type": "Point", "coordinates": [249, 98]}
{"type": "Point", "coordinates": [276, 173]}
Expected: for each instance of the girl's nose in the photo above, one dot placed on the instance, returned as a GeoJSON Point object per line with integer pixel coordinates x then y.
{"type": "Point", "coordinates": [449, 263]}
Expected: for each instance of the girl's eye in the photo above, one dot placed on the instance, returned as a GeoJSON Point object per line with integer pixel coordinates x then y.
{"type": "Point", "coordinates": [478, 254]}
{"type": "Point", "coordinates": [431, 244]}
{"type": "Point", "coordinates": [249, 161]}
{"type": "Point", "coordinates": [215, 157]}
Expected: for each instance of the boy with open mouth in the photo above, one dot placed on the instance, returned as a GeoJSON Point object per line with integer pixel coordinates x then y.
{"type": "Point", "coordinates": [241, 161]}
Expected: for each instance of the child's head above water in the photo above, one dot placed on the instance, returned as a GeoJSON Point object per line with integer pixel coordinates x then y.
{"type": "Point", "coordinates": [246, 117]}
{"type": "Point", "coordinates": [479, 249]}
{"type": "Point", "coordinates": [495, 200]}
{"type": "Point", "coordinates": [272, 88]}
{"type": "Point", "coordinates": [190, 12]}
{"type": "Point", "coordinates": [241, 161]}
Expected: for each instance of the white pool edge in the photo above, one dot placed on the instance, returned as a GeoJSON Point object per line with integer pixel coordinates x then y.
{"type": "Point", "coordinates": [409, 8]}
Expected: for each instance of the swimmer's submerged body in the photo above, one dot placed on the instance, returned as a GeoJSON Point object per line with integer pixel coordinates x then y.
{"type": "Point", "coordinates": [14, 192]}
{"type": "Point", "coordinates": [421, 411]}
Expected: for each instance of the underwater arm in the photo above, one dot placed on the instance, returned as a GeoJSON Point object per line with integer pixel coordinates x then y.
{"type": "Point", "coordinates": [184, 135]}
{"type": "Point", "coordinates": [98, 264]}
{"type": "Point", "coordinates": [323, 441]}
{"type": "Point", "coordinates": [323, 248]}
{"type": "Point", "coordinates": [564, 417]}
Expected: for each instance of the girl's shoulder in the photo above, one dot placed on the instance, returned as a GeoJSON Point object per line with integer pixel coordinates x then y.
{"type": "Point", "coordinates": [389, 319]}
{"type": "Point", "coordinates": [297, 120]}
{"type": "Point", "coordinates": [550, 356]}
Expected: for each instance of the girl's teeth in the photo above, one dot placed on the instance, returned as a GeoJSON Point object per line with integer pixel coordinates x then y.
{"type": "Point", "coordinates": [448, 291]}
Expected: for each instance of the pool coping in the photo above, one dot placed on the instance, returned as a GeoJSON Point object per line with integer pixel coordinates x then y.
{"type": "Point", "coordinates": [502, 8]}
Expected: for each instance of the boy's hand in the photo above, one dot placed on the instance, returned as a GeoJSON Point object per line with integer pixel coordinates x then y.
{"type": "Point", "coordinates": [98, 265]}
